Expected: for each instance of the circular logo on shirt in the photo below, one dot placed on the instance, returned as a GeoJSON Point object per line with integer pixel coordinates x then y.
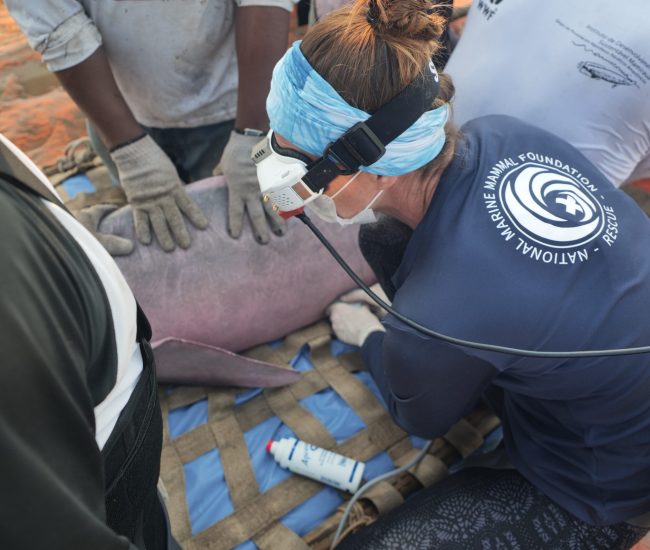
{"type": "Point", "coordinates": [547, 209]}
{"type": "Point", "coordinates": [550, 206]}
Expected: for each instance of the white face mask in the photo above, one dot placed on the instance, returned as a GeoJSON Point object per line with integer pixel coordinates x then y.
{"type": "Point", "coordinates": [325, 208]}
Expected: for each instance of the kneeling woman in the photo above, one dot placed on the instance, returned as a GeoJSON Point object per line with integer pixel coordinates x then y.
{"type": "Point", "coordinates": [517, 241]}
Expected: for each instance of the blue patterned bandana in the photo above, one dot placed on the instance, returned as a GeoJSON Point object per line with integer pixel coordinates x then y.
{"type": "Point", "coordinates": [304, 109]}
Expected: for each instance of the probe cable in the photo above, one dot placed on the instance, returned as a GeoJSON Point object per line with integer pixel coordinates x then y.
{"type": "Point", "coordinates": [369, 484]}
{"type": "Point", "coordinates": [451, 339]}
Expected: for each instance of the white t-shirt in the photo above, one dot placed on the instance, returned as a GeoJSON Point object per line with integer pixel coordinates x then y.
{"type": "Point", "coordinates": [174, 61]}
{"type": "Point", "coordinates": [122, 305]}
{"type": "Point", "coordinates": [579, 69]}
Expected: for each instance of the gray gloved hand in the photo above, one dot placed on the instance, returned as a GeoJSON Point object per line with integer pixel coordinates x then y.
{"type": "Point", "coordinates": [244, 190]}
{"type": "Point", "coordinates": [156, 194]}
{"type": "Point", "coordinates": [352, 324]}
{"type": "Point", "coordinates": [91, 216]}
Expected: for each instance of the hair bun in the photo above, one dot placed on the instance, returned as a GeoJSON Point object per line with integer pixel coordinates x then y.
{"type": "Point", "coordinates": [417, 19]}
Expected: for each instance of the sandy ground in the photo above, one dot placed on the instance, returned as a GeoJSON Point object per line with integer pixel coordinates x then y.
{"type": "Point", "coordinates": [36, 113]}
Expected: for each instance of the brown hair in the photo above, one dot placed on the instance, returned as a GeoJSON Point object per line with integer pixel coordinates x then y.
{"type": "Point", "coordinates": [369, 51]}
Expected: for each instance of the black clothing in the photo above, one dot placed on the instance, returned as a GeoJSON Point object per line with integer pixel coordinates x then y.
{"type": "Point", "coordinates": [382, 244]}
{"type": "Point", "coordinates": [486, 509]}
{"type": "Point", "coordinates": [59, 362]}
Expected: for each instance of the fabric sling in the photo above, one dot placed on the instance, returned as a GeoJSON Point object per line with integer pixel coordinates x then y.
{"type": "Point", "coordinates": [257, 515]}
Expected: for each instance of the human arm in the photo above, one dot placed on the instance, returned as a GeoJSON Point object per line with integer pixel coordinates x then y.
{"type": "Point", "coordinates": [92, 87]}
{"type": "Point", "coordinates": [427, 385]}
{"type": "Point", "coordinates": [70, 44]}
{"type": "Point", "coordinates": [150, 181]}
{"type": "Point", "coordinates": [71, 47]}
{"type": "Point", "coordinates": [261, 33]}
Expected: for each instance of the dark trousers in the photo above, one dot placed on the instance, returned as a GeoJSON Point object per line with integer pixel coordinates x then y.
{"type": "Point", "coordinates": [132, 465]}
{"type": "Point", "coordinates": [195, 152]}
{"type": "Point", "coordinates": [488, 509]}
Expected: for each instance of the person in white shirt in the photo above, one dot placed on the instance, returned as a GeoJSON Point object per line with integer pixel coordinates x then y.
{"type": "Point", "coordinates": [170, 89]}
{"type": "Point", "coordinates": [579, 69]}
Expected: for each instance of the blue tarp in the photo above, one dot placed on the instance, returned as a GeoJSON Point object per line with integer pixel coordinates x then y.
{"type": "Point", "coordinates": [208, 500]}
{"type": "Point", "coordinates": [79, 183]}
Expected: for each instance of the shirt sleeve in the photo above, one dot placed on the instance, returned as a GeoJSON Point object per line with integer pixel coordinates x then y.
{"type": "Point", "coordinates": [58, 29]}
{"type": "Point", "coordinates": [52, 475]}
{"type": "Point", "coordinates": [641, 171]}
{"type": "Point", "coordinates": [428, 385]}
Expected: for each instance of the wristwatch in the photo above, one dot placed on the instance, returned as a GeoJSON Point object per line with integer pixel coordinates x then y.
{"type": "Point", "coordinates": [249, 132]}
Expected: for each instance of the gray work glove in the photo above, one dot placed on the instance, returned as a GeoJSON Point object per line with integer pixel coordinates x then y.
{"type": "Point", "coordinates": [91, 216]}
{"type": "Point", "coordinates": [156, 194]}
{"type": "Point", "coordinates": [244, 190]}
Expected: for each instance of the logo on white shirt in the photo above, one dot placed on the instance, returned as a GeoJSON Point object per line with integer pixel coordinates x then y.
{"type": "Point", "coordinates": [597, 71]}
{"type": "Point", "coordinates": [488, 8]}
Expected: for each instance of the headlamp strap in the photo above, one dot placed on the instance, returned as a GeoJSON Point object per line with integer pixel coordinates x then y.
{"type": "Point", "coordinates": [365, 143]}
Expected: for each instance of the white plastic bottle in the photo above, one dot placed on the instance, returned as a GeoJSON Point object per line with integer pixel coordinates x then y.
{"type": "Point", "coordinates": [320, 464]}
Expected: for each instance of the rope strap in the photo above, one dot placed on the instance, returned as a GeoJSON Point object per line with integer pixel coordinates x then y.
{"type": "Point", "coordinates": [428, 471]}
{"type": "Point", "coordinates": [229, 439]}
{"type": "Point", "coordinates": [257, 515]}
{"type": "Point", "coordinates": [384, 497]}
{"type": "Point", "coordinates": [251, 519]}
{"type": "Point", "coordinates": [464, 437]}
{"type": "Point", "coordinates": [173, 479]}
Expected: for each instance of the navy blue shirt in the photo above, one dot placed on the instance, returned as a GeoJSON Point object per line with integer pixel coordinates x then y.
{"type": "Point", "coordinates": [525, 244]}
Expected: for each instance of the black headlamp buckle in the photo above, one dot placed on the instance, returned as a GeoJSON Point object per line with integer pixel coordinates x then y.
{"type": "Point", "coordinates": [361, 146]}
{"type": "Point", "coordinates": [358, 146]}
